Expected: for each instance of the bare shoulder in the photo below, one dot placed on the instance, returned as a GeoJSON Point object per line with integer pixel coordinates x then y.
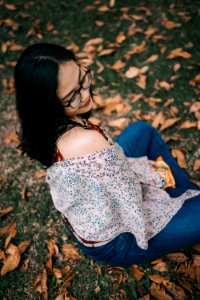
{"type": "Point", "coordinates": [79, 142]}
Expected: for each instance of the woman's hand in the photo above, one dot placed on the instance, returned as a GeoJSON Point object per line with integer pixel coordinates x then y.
{"type": "Point", "coordinates": [153, 164]}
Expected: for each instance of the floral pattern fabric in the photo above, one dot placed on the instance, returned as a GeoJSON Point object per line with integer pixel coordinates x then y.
{"type": "Point", "coordinates": [106, 193]}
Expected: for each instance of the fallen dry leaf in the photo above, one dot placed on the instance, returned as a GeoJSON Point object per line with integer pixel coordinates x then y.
{"type": "Point", "coordinates": [118, 65]}
{"type": "Point", "coordinates": [158, 120]}
{"type": "Point", "coordinates": [180, 157]}
{"type": "Point", "coordinates": [120, 123]}
{"type": "Point", "coordinates": [132, 72]}
{"type": "Point", "coordinates": [7, 228]}
{"type": "Point", "coordinates": [170, 24]}
{"type": "Point", "coordinates": [137, 274]}
{"type": "Point", "coordinates": [159, 292]}
{"type": "Point", "coordinates": [120, 37]}
{"type": "Point", "coordinates": [11, 260]}
{"type": "Point", "coordinates": [196, 165]}
{"type": "Point", "coordinates": [161, 267]}
{"type": "Point", "coordinates": [187, 124]}
{"type": "Point", "coordinates": [176, 67]}
{"type": "Point", "coordinates": [22, 246]}
{"type": "Point", "coordinates": [141, 81]}
{"type": "Point", "coordinates": [195, 107]}
{"type": "Point", "coordinates": [5, 211]}
{"type": "Point", "coordinates": [152, 58]}
{"type": "Point", "coordinates": [177, 257]}
{"type": "Point", "coordinates": [169, 123]}
{"type": "Point", "coordinates": [178, 52]}
{"type": "Point", "coordinates": [165, 85]}
{"type": "Point", "coordinates": [12, 233]}
{"type": "Point", "coordinates": [106, 52]}
{"type": "Point", "coordinates": [94, 41]}
{"type": "Point", "coordinates": [70, 252]}
{"type": "Point", "coordinates": [175, 290]}
{"type": "Point", "coordinates": [158, 278]}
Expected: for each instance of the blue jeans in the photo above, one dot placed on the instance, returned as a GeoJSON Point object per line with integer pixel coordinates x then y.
{"type": "Point", "coordinates": [141, 139]}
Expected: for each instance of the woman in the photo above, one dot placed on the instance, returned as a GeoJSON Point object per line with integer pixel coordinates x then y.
{"type": "Point", "coordinates": [112, 200]}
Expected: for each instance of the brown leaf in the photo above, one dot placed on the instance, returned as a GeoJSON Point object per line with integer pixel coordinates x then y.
{"type": "Point", "coordinates": [118, 65]}
{"type": "Point", "coordinates": [12, 259]}
{"type": "Point", "coordinates": [7, 228]}
{"type": "Point", "coordinates": [12, 137]}
{"type": "Point", "coordinates": [99, 23]}
{"type": "Point", "coordinates": [165, 85]}
{"type": "Point", "coordinates": [152, 58]}
{"type": "Point", "coordinates": [5, 211]}
{"type": "Point", "coordinates": [196, 165]}
{"type": "Point", "coordinates": [44, 284]}
{"type": "Point", "coordinates": [158, 120]}
{"type": "Point", "coordinates": [15, 47]}
{"type": "Point", "coordinates": [169, 123]}
{"type": "Point", "coordinates": [196, 260]}
{"type": "Point", "coordinates": [70, 252]}
{"type": "Point", "coordinates": [94, 41]}
{"type": "Point", "coordinates": [178, 52]}
{"type": "Point", "coordinates": [141, 81]}
{"type": "Point", "coordinates": [175, 290]}
{"type": "Point", "coordinates": [121, 37]}
{"type": "Point", "coordinates": [105, 52]}
{"type": "Point", "coordinates": [103, 8]}
{"type": "Point", "coordinates": [11, 7]}
{"type": "Point", "coordinates": [183, 281]}
{"type": "Point", "coordinates": [2, 255]}
{"type": "Point", "coordinates": [22, 246]}
{"type": "Point", "coordinates": [137, 274]}
{"type": "Point", "coordinates": [158, 292]}
{"type": "Point", "coordinates": [180, 157]}
{"type": "Point", "coordinates": [120, 123]}
{"type": "Point", "coordinates": [177, 257]}
{"type": "Point", "coordinates": [187, 124]}
{"type": "Point", "coordinates": [53, 248]}
{"type": "Point", "coordinates": [161, 267]}
{"type": "Point", "coordinates": [195, 107]}
{"type": "Point", "coordinates": [168, 102]}
{"type": "Point", "coordinates": [158, 278]}
{"type": "Point", "coordinates": [132, 72]}
{"type": "Point", "coordinates": [136, 97]}
{"type": "Point", "coordinates": [146, 297]}
{"type": "Point", "coordinates": [170, 24]}
{"type": "Point", "coordinates": [12, 234]}
{"type": "Point", "coordinates": [176, 67]}
{"type": "Point", "coordinates": [49, 26]}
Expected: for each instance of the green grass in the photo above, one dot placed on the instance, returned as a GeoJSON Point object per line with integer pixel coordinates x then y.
{"type": "Point", "coordinates": [35, 215]}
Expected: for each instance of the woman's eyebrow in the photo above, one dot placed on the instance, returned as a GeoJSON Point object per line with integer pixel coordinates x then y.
{"type": "Point", "coordinates": [72, 91]}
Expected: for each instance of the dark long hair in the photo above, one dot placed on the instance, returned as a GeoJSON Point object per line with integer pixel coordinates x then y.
{"type": "Point", "coordinates": [41, 114]}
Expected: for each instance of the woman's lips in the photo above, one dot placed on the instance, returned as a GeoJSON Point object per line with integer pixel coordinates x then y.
{"type": "Point", "coordinates": [87, 102]}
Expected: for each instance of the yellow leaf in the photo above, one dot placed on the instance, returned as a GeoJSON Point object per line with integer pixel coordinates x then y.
{"type": "Point", "coordinates": [180, 157]}
{"type": "Point", "coordinates": [169, 123]}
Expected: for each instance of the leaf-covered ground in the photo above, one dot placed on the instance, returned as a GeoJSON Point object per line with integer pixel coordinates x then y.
{"type": "Point", "coordinates": [145, 60]}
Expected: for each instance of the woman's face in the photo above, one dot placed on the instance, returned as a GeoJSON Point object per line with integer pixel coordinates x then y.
{"type": "Point", "coordinates": [74, 88]}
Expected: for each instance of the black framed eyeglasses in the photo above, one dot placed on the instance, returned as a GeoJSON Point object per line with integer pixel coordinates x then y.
{"type": "Point", "coordinates": [85, 83]}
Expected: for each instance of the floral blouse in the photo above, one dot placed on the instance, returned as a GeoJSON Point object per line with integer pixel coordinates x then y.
{"type": "Point", "coordinates": [106, 193]}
